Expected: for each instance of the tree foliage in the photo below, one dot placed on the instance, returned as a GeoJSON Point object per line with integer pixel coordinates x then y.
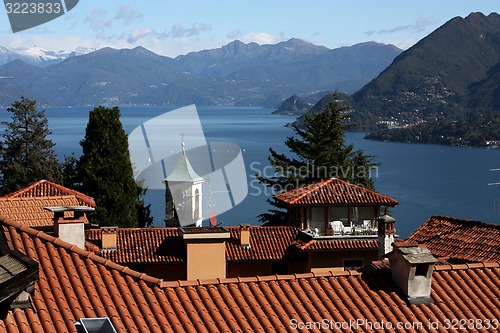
{"type": "Point", "coordinates": [318, 152]}
{"type": "Point", "coordinates": [144, 218]}
{"type": "Point", "coordinates": [26, 153]}
{"type": "Point", "coordinates": [105, 169]}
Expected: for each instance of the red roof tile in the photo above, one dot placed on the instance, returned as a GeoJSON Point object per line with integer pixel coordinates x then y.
{"type": "Point", "coordinates": [312, 244]}
{"type": "Point", "coordinates": [74, 283]}
{"type": "Point", "coordinates": [45, 188]}
{"type": "Point", "coordinates": [155, 245]}
{"type": "Point", "coordinates": [334, 191]}
{"type": "Point", "coordinates": [29, 210]}
{"type": "Point", "coordinates": [147, 245]}
{"type": "Point", "coordinates": [266, 243]}
{"type": "Point", "coordinates": [459, 238]}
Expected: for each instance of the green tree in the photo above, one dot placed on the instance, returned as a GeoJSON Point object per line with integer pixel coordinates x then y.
{"type": "Point", "coordinates": [105, 169]}
{"type": "Point", "coordinates": [318, 152]}
{"type": "Point", "coordinates": [71, 174]}
{"type": "Point", "coordinates": [26, 153]}
{"type": "Point", "coordinates": [144, 218]}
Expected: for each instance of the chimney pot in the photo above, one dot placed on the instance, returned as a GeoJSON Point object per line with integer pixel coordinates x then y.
{"type": "Point", "coordinates": [386, 234]}
{"type": "Point", "coordinates": [245, 235]}
{"type": "Point", "coordinates": [70, 229]}
{"type": "Point", "coordinates": [109, 238]}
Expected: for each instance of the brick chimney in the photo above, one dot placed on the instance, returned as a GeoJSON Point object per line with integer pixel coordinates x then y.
{"type": "Point", "coordinates": [70, 229]}
{"type": "Point", "coordinates": [245, 235]}
{"type": "Point", "coordinates": [386, 233]}
{"type": "Point", "coordinates": [411, 270]}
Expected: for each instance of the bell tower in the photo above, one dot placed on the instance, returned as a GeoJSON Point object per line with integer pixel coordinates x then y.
{"type": "Point", "coordinates": [183, 198]}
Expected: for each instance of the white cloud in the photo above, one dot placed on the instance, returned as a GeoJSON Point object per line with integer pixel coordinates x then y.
{"type": "Point", "coordinates": [97, 20]}
{"type": "Point", "coordinates": [261, 38]}
{"type": "Point", "coordinates": [179, 31]}
{"type": "Point", "coordinates": [420, 25]}
{"type": "Point", "coordinates": [128, 15]}
{"type": "Point", "coordinates": [137, 34]}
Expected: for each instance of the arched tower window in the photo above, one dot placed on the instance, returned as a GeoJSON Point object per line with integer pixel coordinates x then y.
{"type": "Point", "coordinates": [197, 204]}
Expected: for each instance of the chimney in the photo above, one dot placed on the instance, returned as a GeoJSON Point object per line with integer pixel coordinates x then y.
{"type": "Point", "coordinates": [109, 238]}
{"type": "Point", "coordinates": [245, 236]}
{"type": "Point", "coordinates": [70, 229]}
{"type": "Point", "coordinates": [411, 270]}
{"type": "Point", "coordinates": [205, 252]}
{"type": "Point", "coordinates": [386, 233]}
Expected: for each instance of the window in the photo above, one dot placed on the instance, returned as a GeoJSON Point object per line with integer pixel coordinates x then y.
{"type": "Point", "coordinates": [318, 220]}
{"type": "Point", "coordinates": [197, 214]}
{"type": "Point", "coordinates": [340, 214]}
{"type": "Point", "coordinates": [97, 325]}
{"type": "Point", "coordinates": [361, 214]}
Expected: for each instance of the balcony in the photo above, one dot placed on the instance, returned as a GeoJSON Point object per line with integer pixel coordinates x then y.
{"type": "Point", "coordinates": [338, 228]}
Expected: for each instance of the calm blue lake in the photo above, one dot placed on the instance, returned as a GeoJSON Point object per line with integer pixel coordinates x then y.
{"type": "Point", "coordinates": [426, 179]}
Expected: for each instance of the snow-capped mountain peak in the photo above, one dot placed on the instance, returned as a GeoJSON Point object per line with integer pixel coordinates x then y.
{"type": "Point", "coordinates": [38, 56]}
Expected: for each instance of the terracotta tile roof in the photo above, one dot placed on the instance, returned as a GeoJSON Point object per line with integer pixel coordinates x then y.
{"type": "Point", "coordinates": [45, 188]}
{"type": "Point", "coordinates": [459, 238]}
{"type": "Point", "coordinates": [308, 244]}
{"type": "Point", "coordinates": [74, 283]}
{"type": "Point", "coordinates": [266, 243]}
{"type": "Point", "coordinates": [29, 210]}
{"type": "Point", "coordinates": [274, 303]}
{"type": "Point", "coordinates": [155, 245]}
{"type": "Point", "coordinates": [334, 191]}
{"type": "Point", "coordinates": [147, 245]}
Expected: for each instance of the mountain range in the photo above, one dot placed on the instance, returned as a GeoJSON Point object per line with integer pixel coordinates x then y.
{"type": "Point", "coordinates": [234, 74]}
{"type": "Point", "coordinates": [450, 74]}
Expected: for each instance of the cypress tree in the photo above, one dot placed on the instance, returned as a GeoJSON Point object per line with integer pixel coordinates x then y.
{"type": "Point", "coordinates": [318, 152]}
{"type": "Point", "coordinates": [26, 154]}
{"type": "Point", "coordinates": [106, 171]}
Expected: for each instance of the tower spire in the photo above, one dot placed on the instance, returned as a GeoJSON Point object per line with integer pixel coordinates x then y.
{"type": "Point", "coordinates": [183, 193]}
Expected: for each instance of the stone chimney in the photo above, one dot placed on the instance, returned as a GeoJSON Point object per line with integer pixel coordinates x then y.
{"type": "Point", "coordinates": [70, 229]}
{"type": "Point", "coordinates": [386, 233]}
{"type": "Point", "coordinates": [411, 269]}
{"type": "Point", "coordinates": [109, 238]}
{"type": "Point", "coordinates": [245, 236]}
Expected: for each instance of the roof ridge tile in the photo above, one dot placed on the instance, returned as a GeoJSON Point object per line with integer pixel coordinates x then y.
{"type": "Point", "coordinates": [311, 194]}
{"type": "Point", "coordinates": [263, 278]}
{"type": "Point", "coordinates": [47, 184]}
{"type": "Point", "coordinates": [458, 220]}
{"type": "Point", "coordinates": [466, 266]}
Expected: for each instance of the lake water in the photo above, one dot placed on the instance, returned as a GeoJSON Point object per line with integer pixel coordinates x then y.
{"type": "Point", "coordinates": [426, 179]}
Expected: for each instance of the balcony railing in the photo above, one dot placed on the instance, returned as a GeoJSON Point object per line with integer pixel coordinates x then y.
{"type": "Point", "coordinates": [366, 228]}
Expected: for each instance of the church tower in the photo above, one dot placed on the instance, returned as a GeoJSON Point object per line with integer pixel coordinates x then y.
{"type": "Point", "coordinates": [184, 195]}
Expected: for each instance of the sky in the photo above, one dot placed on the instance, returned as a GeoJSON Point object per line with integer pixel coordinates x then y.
{"type": "Point", "coordinates": [174, 27]}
